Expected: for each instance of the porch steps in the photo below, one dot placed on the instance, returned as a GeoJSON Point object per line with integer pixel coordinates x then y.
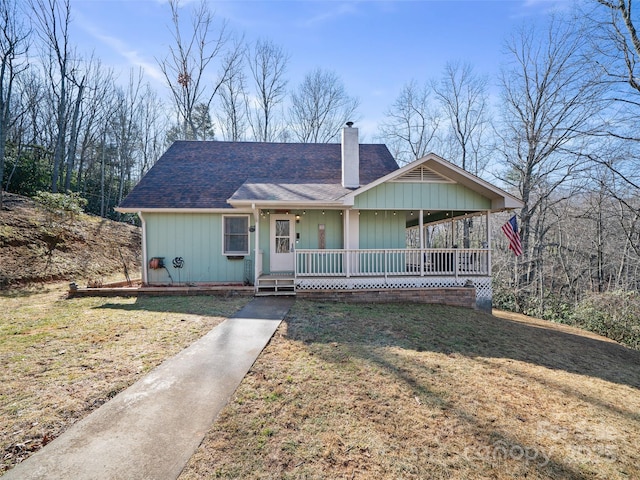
{"type": "Point", "coordinates": [269, 285]}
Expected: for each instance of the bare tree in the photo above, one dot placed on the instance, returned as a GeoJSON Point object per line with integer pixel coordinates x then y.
{"type": "Point", "coordinates": [66, 129]}
{"type": "Point", "coordinates": [26, 131]}
{"type": "Point", "coordinates": [188, 62]}
{"type": "Point", "coordinates": [413, 122]}
{"type": "Point", "coordinates": [80, 79]}
{"type": "Point", "coordinates": [53, 20]}
{"type": "Point", "coordinates": [232, 115]}
{"type": "Point", "coordinates": [320, 106]}
{"type": "Point", "coordinates": [611, 27]}
{"type": "Point", "coordinates": [268, 65]}
{"type": "Point", "coordinates": [94, 120]}
{"type": "Point", "coordinates": [617, 44]}
{"type": "Point", "coordinates": [550, 102]}
{"type": "Point", "coordinates": [464, 98]}
{"type": "Point", "coordinates": [126, 129]}
{"type": "Point", "coordinates": [22, 129]}
{"type": "Point", "coordinates": [14, 44]}
{"type": "Point", "coordinates": [153, 126]}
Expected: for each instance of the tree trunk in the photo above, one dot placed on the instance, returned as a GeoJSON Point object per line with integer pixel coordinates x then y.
{"type": "Point", "coordinates": [3, 141]}
{"type": "Point", "coordinates": [102, 176]}
{"type": "Point", "coordinates": [71, 153]}
{"type": "Point", "coordinates": [61, 124]}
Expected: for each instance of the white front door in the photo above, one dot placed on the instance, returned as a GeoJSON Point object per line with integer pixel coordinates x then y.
{"type": "Point", "coordinates": [282, 243]}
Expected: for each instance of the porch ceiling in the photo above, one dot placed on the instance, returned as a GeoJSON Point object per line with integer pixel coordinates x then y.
{"type": "Point", "coordinates": [429, 217]}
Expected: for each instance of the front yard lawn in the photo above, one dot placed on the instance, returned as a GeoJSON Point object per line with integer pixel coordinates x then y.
{"type": "Point", "coordinates": [62, 358]}
{"type": "Point", "coordinates": [428, 392]}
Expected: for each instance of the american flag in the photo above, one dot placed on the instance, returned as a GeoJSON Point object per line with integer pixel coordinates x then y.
{"type": "Point", "coordinates": [510, 229]}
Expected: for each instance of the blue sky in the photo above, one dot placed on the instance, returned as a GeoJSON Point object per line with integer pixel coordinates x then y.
{"type": "Point", "coordinates": [375, 47]}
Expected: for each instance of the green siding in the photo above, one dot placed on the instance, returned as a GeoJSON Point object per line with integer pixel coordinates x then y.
{"type": "Point", "coordinates": [263, 243]}
{"type": "Point", "coordinates": [197, 238]}
{"type": "Point", "coordinates": [427, 196]}
{"type": "Point", "coordinates": [307, 227]}
{"type": "Point", "coordinates": [384, 230]}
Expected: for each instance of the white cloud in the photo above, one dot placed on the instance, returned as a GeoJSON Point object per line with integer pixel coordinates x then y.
{"type": "Point", "coordinates": [547, 6]}
{"type": "Point", "coordinates": [333, 12]}
{"type": "Point", "coordinates": [133, 57]}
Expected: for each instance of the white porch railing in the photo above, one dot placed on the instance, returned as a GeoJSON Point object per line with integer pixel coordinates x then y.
{"type": "Point", "coordinates": [392, 262]}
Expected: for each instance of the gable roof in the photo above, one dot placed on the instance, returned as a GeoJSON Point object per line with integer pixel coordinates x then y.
{"type": "Point", "coordinates": [204, 175]}
{"type": "Point", "coordinates": [437, 166]}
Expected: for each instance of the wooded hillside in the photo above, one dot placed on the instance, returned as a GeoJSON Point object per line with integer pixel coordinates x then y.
{"type": "Point", "coordinates": [37, 245]}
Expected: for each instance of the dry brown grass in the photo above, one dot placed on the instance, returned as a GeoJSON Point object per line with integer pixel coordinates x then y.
{"type": "Point", "coordinates": [62, 358]}
{"type": "Point", "coordinates": [390, 391]}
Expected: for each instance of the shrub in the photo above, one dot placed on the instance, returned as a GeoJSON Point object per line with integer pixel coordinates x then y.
{"type": "Point", "coordinates": [556, 308]}
{"type": "Point", "coordinates": [61, 205]}
{"type": "Point", "coordinates": [614, 314]}
{"type": "Point", "coordinates": [504, 298]}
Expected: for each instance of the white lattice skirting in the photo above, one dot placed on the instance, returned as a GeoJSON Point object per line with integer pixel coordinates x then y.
{"type": "Point", "coordinates": [483, 284]}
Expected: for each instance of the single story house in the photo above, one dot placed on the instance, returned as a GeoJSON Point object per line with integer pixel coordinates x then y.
{"type": "Point", "coordinates": [290, 218]}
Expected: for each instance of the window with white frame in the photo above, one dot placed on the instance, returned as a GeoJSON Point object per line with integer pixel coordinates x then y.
{"type": "Point", "coordinates": [235, 235]}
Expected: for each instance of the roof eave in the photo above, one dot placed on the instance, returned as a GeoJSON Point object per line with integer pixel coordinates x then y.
{"type": "Point", "coordinates": [178, 210]}
{"type": "Point", "coordinates": [285, 204]}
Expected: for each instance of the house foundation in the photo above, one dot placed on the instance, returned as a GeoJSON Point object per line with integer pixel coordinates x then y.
{"type": "Point", "coordinates": [455, 297]}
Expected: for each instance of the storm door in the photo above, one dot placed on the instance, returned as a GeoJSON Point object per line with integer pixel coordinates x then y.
{"type": "Point", "coordinates": [282, 243]}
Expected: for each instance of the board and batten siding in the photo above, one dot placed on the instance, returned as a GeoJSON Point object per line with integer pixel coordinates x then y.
{"type": "Point", "coordinates": [382, 229]}
{"type": "Point", "coordinates": [426, 196]}
{"type": "Point", "coordinates": [197, 238]}
{"type": "Point", "coordinates": [307, 227]}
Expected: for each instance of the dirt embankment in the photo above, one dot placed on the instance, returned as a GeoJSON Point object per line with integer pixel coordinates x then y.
{"type": "Point", "coordinates": [37, 247]}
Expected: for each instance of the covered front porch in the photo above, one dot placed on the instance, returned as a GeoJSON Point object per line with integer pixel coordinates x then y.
{"type": "Point", "coordinates": [440, 250]}
{"type": "Point", "coordinates": [423, 226]}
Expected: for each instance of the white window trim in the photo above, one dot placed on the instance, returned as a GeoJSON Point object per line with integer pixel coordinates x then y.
{"type": "Point", "coordinates": [235, 254]}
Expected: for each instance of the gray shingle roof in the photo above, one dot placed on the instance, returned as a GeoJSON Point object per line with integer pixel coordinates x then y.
{"type": "Point", "coordinates": [206, 174]}
{"type": "Point", "coordinates": [266, 190]}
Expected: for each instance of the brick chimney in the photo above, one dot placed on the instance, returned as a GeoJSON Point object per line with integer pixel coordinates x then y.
{"type": "Point", "coordinates": [350, 157]}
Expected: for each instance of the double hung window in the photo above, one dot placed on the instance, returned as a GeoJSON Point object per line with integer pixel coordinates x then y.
{"type": "Point", "coordinates": [236, 235]}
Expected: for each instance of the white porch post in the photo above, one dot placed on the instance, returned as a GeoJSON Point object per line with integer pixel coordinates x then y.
{"type": "Point", "coordinates": [346, 243]}
{"type": "Point", "coordinates": [352, 238]}
{"type": "Point", "coordinates": [454, 232]}
{"type": "Point", "coordinates": [488, 243]}
{"type": "Point", "coordinates": [256, 273]}
{"type": "Point", "coordinates": [421, 223]}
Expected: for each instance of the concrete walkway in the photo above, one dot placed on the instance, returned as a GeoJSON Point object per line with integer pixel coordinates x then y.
{"type": "Point", "coordinates": [150, 430]}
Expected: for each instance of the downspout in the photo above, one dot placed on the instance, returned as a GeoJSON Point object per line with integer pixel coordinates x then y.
{"type": "Point", "coordinates": [145, 271]}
